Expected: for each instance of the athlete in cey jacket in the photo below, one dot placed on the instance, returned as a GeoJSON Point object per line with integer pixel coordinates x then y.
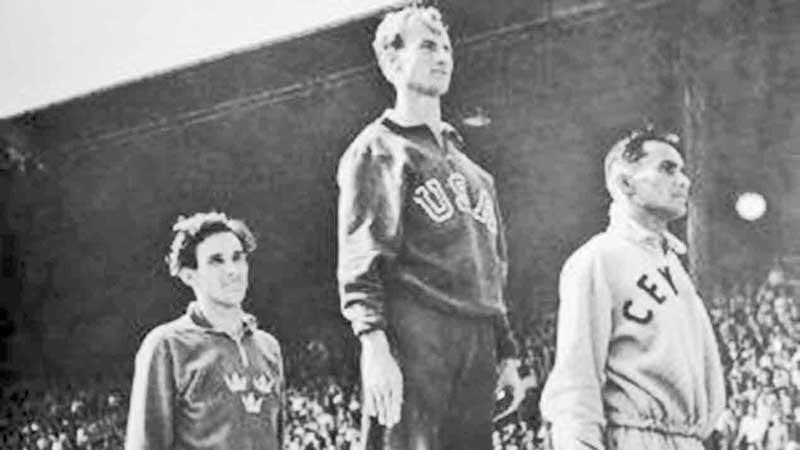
{"type": "Point", "coordinates": [422, 258]}
{"type": "Point", "coordinates": [209, 379]}
{"type": "Point", "coordinates": [637, 365]}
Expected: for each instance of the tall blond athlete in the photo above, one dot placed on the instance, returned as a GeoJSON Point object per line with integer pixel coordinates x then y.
{"type": "Point", "coordinates": [422, 258]}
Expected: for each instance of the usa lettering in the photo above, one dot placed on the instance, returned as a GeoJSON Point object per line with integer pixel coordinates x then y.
{"type": "Point", "coordinates": [654, 291]}
{"type": "Point", "coordinates": [432, 198]}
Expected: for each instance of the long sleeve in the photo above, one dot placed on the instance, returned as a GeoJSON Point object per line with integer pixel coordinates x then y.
{"type": "Point", "coordinates": [715, 377]}
{"type": "Point", "coordinates": [371, 196]}
{"type": "Point", "coordinates": [283, 413]}
{"type": "Point", "coordinates": [150, 419]}
{"type": "Point", "coordinates": [507, 346]}
{"type": "Point", "coordinates": [572, 398]}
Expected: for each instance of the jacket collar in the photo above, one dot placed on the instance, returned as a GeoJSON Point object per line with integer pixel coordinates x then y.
{"type": "Point", "coordinates": [621, 224]}
{"type": "Point", "coordinates": [448, 131]}
{"type": "Point", "coordinates": [197, 318]}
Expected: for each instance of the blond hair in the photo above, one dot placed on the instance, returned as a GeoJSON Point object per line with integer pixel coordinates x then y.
{"type": "Point", "coordinates": [389, 34]}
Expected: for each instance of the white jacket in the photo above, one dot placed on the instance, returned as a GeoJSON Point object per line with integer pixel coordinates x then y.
{"type": "Point", "coordinates": [635, 346]}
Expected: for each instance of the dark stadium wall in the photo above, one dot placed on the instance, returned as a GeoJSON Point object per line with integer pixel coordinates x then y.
{"type": "Point", "coordinates": [740, 66]}
{"type": "Point", "coordinates": [258, 134]}
{"type": "Point", "coordinates": [14, 162]}
{"type": "Point", "coordinates": [559, 94]}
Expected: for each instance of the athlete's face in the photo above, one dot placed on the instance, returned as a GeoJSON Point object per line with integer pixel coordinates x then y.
{"type": "Point", "coordinates": [659, 184]}
{"type": "Point", "coordinates": [424, 64]}
{"type": "Point", "coordinates": [222, 270]}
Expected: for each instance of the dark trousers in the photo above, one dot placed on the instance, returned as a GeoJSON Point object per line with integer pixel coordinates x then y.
{"type": "Point", "coordinates": [448, 365]}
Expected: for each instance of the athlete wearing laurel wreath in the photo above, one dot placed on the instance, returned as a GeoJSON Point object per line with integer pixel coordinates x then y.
{"type": "Point", "coordinates": [210, 379]}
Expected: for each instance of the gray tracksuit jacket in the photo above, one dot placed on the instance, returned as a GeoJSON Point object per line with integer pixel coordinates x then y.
{"type": "Point", "coordinates": [635, 346]}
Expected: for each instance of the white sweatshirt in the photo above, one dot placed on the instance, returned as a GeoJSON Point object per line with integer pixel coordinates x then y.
{"type": "Point", "coordinates": [635, 346]}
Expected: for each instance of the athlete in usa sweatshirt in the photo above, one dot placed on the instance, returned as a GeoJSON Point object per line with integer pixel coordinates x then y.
{"type": "Point", "coordinates": [421, 223]}
{"type": "Point", "coordinates": [422, 259]}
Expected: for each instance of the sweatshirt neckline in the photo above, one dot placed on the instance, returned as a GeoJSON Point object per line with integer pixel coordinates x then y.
{"type": "Point", "coordinates": [448, 131]}
{"type": "Point", "coordinates": [196, 317]}
{"type": "Point", "coordinates": [622, 224]}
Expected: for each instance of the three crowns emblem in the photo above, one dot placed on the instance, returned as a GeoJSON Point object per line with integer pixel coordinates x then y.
{"type": "Point", "coordinates": [235, 382]}
{"type": "Point", "coordinates": [263, 384]}
{"type": "Point", "coordinates": [252, 404]}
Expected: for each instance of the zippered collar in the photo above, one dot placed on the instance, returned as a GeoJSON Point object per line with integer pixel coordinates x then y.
{"type": "Point", "coordinates": [195, 315]}
{"type": "Point", "coordinates": [448, 131]}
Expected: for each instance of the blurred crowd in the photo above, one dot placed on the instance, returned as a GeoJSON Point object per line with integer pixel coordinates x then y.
{"type": "Point", "coordinates": [759, 335]}
{"type": "Point", "coordinates": [523, 430]}
{"type": "Point", "coordinates": [56, 415]}
{"type": "Point", "coordinates": [758, 330]}
{"type": "Point", "coordinates": [322, 415]}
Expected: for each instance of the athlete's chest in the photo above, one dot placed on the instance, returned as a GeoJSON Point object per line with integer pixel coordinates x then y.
{"type": "Point", "coordinates": [653, 297]}
{"type": "Point", "coordinates": [219, 376]}
{"type": "Point", "coordinates": [447, 190]}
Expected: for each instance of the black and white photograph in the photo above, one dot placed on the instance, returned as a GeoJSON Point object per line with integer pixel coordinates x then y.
{"type": "Point", "coordinates": [400, 225]}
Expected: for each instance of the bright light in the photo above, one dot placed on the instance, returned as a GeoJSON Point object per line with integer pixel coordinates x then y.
{"type": "Point", "coordinates": [477, 119]}
{"type": "Point", "coordinates": [751, 206]}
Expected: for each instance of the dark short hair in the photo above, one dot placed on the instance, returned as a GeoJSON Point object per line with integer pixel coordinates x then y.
{"type": "Point", "coordinates": [633, 149]}
{"type": "Point", "coordinates": [189, 232]}
{"type": "Point", "coordinates": [630, 149]}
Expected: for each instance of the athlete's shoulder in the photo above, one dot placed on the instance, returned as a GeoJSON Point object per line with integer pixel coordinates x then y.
{"type": "Point", "coordinates": [267, 340]}
{"type": "Point", "coordinates": [459, 148]}
{"type": "Point", "coordinates": [603, 250]}
{"type": "Point", "coordinates": [375, 138]}
{"type": "Point", "coordinates": [374, 150]}
{"type": "Point", "coordinates": [269, 346]}
{"type": "Point", "coordinates": [585, 252]}
{"type": "Point", "coordinates": [375, 144]}
{"type": "Point", "coordinates": [596, 249]}
{"type": "Point", "coordinates": [179, 330]}
{"type": "Point", "coordinates": [158, 339]}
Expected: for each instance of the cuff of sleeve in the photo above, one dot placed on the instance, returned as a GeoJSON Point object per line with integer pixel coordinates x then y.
{"type": "Point", "coordinates": [362, 328]}
{"type": "Point", "coordinates": [507, 346]}
{"type": "Point", "coordinates": [366, 330]}
{"type": "Point", "coordinates": [364, 315]}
